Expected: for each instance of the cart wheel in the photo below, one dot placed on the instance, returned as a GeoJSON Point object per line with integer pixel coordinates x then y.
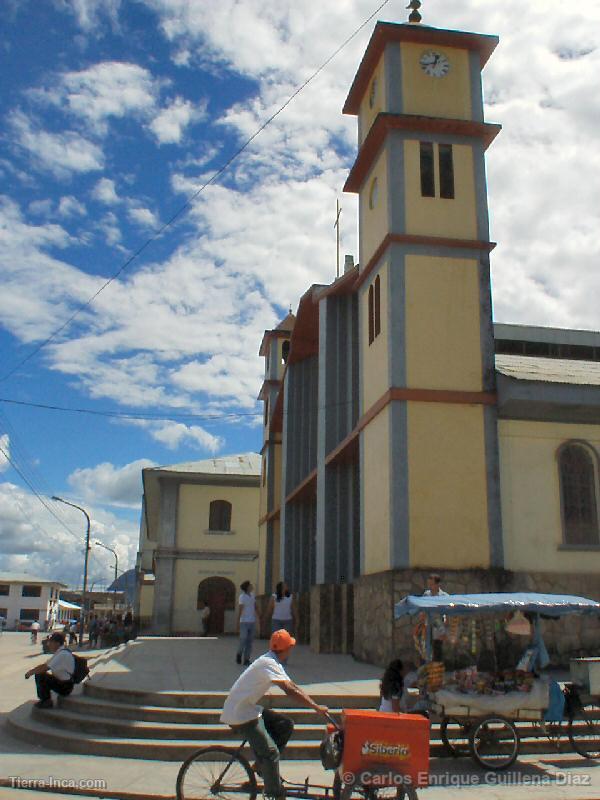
{"type": "Point", "coordinates": [455, 736]}
{"type": "Point", "coordinates": [393, 793]}
{"type": "Point", "coordinates": [494, 743]}
{"type": "Point", "coordinates": [216, 772]}
{"type": "Point", "coordinates": [356, 791]}
{"type": "Point", "coordinates": [584, 731]}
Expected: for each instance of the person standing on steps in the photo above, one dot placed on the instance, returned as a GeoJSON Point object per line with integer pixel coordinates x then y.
{"type": "Point", "coordinates": [266, 731]}
{"type": "Point", "coordinates": [282, 609]}
{"type": "Point", "coordinates": [247, 617]}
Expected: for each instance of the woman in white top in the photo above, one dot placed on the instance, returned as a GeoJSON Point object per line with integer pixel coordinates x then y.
{"type": "Point", "coordinates": [391, 687]}
{"type": "Point", "coordinates": [247, 618]}
{"type": "Point", "coordinates": [282, 609]}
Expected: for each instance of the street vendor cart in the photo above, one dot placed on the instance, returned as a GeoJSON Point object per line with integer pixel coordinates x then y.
{"type": "Point", "coordinates": [486, 715]}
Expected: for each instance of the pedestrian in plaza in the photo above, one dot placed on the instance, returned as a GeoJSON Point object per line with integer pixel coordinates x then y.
{"type": "Point", "coordinates": [35, 629]}
{"type": "Point", "coordinates": [438, 625]}
{"type": "Point", "coordinates": [282, 609]}
{"type": "Point", "coordinates": [247, 617]}
{"type": "Point", "coordinates": [266, 731]}
{"type": "Point", "coordinates": [56, 675]}
{"type": "Point", "coordinates": [391, 686]}
{"type": "Point", "coordinates": [204, 610]}
{"type": "Point", "coordinates": [93, 631]}
{"type": "Point", "coordinates": [73, 628]}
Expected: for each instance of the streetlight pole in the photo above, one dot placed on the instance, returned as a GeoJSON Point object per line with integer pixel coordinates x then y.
{"type": "Point", "coordinates": [106, 547]}
{"type": "Point", "coordinates": [85, 564]}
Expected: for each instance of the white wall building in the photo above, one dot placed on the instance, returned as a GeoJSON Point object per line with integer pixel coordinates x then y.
{"type": "Point", "coordinates": [25, 598]}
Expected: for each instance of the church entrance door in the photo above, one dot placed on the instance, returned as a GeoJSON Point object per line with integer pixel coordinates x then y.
{"type": "Point", "coordinates": [219, 595]}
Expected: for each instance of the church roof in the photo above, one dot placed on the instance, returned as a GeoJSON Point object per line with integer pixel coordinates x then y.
{"type": "Point", "coordinates": [237, 464]}
{"type": "Point", "coordinates": [549, 370]}
{"type": "Point", "coordinates": [287, 324]}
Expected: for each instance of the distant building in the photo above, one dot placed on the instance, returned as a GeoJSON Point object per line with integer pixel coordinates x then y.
{"type": "Point", "coordinates": [25, 599]}
{"type": "Point", "coordinates": [198, 541]}
{"type": "Point", "coordinates": [99, 602]}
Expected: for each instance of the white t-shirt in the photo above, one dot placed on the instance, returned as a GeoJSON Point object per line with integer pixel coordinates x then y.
{"type": "Point", "coordinates": [386, 705]}
{"type": "Point", "coordinates": [241, 704]}
{"type": "Point", "coordinates": [35, 626]}
{"type": "Point", "coordinates": [62, 664]}
{"type": "Point", "coordinates": [438, 628]}
{"type": "Point", "coordinates": [248, 603]}
{"type": "Point", "coordinates": [283, 608]}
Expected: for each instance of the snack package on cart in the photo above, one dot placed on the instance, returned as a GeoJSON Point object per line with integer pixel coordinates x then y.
{"type": "Point", "coordinates": [382, 749]}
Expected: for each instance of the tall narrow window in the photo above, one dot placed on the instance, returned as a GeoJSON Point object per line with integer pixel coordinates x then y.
{"type": "Point", "coordinates": [578, 481]}
{"type": "Point", "coordinates": [377, 325]}
{"type": "Point", "coordinates": [446, 171]}
{"type": "Point", "coordinates": [427, 173]}
{"type": "Point", "coordinates": [266, 411]}
{"type": "Point", "coordinates": [220, 516]}
{"type": "Point", "coordinates": [371, 315]}
{"type": "Point", "coordinates": [285, 351]}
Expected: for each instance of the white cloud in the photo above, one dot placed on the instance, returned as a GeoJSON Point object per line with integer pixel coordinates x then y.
{"type": "Point", "coordinates": [169, 125]}
{"type": "Point", "coordinates": [40, 208]}
{"type": "Point", "coordinates": [104, 90]}
{"type": "Point", "coordinates": [105, 191]}
{"type": "Point", "coordinates": [60, 153]}
{"type": "Point", "coordinates": [143, 217]}
{"type": "Point", "coordinates": [69, 206]}
{"type": "Point", "coordinates": [106, 483]}
{"type": "Point", "coordinates": [32, 540]}
{"type": "Point", "coordinates": [90, 12]}
{"type": "Point", "coordinates": [175, 434]}
{"type": "Point", "coordinates": [5, 445]}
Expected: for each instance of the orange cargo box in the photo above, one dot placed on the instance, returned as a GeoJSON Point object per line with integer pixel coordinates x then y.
{"type": "Point", "coordinates": [380, 748]}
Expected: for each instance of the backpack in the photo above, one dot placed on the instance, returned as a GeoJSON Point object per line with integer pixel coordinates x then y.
{"type": "Point", "coordinates": [81, 671]}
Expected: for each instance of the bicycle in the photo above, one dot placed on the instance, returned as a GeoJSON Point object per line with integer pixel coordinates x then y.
{"type": "Point", "coordinates": [224, 773]}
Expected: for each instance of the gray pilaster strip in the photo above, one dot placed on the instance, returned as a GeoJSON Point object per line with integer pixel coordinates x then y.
{"type": "Point", "coordinates": [399, 499]}
{"type": "Point", "coordinates": [396, 182]}
{"type": "Point", "coordinates": [269, 545]}
{"type": "Point", "coordinates": [483, 223]}
{"type": "Point", "coordinates": [322, 395]}
{"type": "Point", "coordinates": [492, 460]}
{"type": "Point", "coordinates": [476, 87]}
{"type": "Point", "coordinates": [165, 568]}
{"type": "Point", "coordinates": [393, 78]}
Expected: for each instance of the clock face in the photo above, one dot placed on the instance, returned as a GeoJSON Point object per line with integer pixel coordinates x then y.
{"type": "Point", "coordinates": [434, 64]}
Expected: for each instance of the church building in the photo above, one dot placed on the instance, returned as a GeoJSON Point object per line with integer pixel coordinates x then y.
{"type": "Point", "coordinates": [404, 431]}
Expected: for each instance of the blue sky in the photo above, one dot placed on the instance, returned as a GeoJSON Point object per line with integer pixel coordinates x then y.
{"type": "Point", "coordinates": [115, 113]}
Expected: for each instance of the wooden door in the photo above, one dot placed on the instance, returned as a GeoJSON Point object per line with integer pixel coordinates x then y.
{"type": "Point", "coordinates": [219, 595]}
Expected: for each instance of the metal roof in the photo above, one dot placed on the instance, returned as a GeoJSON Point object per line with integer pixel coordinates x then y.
{"type": "Point", "coordinates": [554, 605]}
{"type": "Point", "coordinates": [549, 370]}
{"type": "Point", "coordinates": [536, 333]}
{"type": "Point", "coordinates": [242, 464]}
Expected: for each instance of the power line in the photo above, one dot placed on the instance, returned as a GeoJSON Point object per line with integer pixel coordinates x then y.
{"type": "Point", "coordinates": [190, 200]}
{"type": "Point", "coordinates": [35, 492]}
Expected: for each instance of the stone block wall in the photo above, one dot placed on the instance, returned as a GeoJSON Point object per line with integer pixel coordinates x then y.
{"type": "Point", "coordinates": [378, 637]}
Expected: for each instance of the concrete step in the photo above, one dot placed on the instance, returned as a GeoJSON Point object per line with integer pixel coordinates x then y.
{"type": "Point", "coordinates": [91, 706]}
{"type": "Point", "coordinates": [213, 700]}
{"type": "Point", "coordinates": [139, 729]}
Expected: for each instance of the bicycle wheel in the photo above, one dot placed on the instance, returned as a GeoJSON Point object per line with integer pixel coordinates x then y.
{"type": "Point", "coordinates": [494, 743]}
{"type": "Point", "coordinates": [584, 731]}
{"type": "Point", "coordinates": [220, 773]}
{"type": "Point", "coordinates": [455, 736]}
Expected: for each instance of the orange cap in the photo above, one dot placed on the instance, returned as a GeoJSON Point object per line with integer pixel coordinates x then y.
{"type": "Point", "coordinates": [281, 640]}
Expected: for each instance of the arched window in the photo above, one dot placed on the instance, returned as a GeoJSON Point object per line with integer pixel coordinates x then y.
{"type": "Point", "coordinates": [220, 516]}
{"type": "Point", "coordinates": [577, 466]}
{"type": "Point", "coordinates": [377, 306]}
{"type": "Point", "coordinates": [371, 315]}
{"type": "Point", "coordinates": [285, 351]}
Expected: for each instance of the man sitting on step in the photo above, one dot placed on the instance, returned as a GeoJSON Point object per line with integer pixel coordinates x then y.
{"type": "Point", "coordinates": [266, 731]}
{"type": "Point", "coordinates": [56, 675]}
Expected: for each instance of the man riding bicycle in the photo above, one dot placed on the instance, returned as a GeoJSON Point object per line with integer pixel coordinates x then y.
{"type": "Point", "coordinates": [266, 731]}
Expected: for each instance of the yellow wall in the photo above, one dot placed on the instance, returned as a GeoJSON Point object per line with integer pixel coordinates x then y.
{"type": "Point", "coordinates": [374, 221]}
{"type": "Point", "coordinates": [443, 348]}
{"type": "Point", "coordinates": [375, 369]}
{"type": "Point", "coordinates": [367, 114]}
{"type": "Point", "coordinates": [448, 97]}
{"type": "Point", "coordinates": [447, 486]}
{"type": "Point", "coordinates": [531, 513]}
{"type": "Point", "coordinates": [376, 482]}
{"type": "Point", "coordinates": [189, 573]}
{"type": "Point", "coordinates": [436, 216]}
{"type": "Point", "coordinates": [192, 518]}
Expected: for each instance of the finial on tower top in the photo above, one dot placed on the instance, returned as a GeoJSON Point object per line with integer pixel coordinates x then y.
{"type": "Point", "coordinates": [415, 5]}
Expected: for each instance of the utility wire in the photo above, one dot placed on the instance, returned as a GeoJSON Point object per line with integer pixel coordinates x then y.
{"type": "Point", "coordinates": [189, 201]}
{"type": "Point", "coordinates": [36, 493]}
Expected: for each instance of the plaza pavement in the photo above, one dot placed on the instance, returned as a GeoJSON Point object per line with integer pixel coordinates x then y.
{"type": "Point", "coordinates": [208, 665]}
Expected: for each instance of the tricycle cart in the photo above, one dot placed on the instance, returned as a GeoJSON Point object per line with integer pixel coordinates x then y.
{"type": "Point", "coordinates": [489, 726]}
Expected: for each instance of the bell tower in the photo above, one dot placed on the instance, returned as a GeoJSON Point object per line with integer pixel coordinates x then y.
{"type": "Point", "coordinates": [428, 441]}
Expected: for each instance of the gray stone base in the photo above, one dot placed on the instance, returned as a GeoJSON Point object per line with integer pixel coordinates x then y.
{"type": "Point", "coordinates": [377, 637]}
